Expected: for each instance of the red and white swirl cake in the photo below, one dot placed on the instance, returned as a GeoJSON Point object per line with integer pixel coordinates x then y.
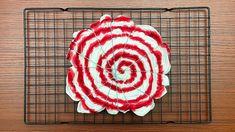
{"type": "Point", "coordinates": [117, 66]}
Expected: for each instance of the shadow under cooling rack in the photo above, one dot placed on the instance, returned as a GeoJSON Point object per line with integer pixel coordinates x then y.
{"type": "Point", "coordinates": [48, 33]}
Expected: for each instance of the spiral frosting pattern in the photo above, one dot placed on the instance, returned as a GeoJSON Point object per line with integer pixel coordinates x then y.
{"type": "Point", "coordinates": [117, 66]}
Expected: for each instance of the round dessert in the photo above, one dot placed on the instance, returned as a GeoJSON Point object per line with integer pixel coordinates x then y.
{"type": "Point", "coordinates": [117, 66]}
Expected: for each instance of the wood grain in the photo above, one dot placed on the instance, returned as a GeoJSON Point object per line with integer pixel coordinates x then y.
{"type": "Point", "coordinates": [12, 75]}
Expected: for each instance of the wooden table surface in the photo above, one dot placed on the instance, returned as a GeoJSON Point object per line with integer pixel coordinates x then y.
{"type": "Point", "coordinates": [12, 64]}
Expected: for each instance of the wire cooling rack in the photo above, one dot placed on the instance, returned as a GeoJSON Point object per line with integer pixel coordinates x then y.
{"type": "Point", "coordinates": [48, 33]}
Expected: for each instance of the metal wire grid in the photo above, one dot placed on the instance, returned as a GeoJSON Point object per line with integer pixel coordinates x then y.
{"type": "Point", "coordinates": [48, 33]}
